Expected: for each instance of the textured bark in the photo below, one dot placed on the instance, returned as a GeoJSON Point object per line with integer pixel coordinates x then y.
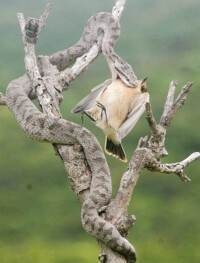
{"type": "Point", "coordinates": [48, 73]}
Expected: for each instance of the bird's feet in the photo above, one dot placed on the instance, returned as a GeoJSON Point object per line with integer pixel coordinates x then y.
{"type": "Point", "coordinates": [87, 116]}
{"type": "Point", "coordinates": [103, 110]}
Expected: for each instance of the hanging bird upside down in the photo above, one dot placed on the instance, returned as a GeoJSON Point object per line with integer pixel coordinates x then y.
{"type": "Point", "coordinates": [115, 108]}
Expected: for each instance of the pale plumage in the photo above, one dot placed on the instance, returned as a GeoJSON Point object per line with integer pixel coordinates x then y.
{"type": "Point", "coordinates": [115, 108]}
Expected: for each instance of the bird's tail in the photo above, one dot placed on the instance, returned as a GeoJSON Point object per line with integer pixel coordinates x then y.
{"type": "Point", "coordinates": [115, 150]}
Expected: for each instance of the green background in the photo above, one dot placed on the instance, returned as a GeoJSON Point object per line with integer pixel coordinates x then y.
{"type": "Point", "coordinates": [39, 213]}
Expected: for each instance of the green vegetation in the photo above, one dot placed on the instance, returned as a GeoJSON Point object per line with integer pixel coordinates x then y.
{"type": "Point", "coordinates": [39, 214]}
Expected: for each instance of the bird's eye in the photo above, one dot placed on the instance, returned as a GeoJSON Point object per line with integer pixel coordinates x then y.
{"type": "Point", "coordinates": [143, 88]}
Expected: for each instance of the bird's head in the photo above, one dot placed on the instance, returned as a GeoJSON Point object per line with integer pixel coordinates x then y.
{"type": "Point", "coordinates": [143, 85]}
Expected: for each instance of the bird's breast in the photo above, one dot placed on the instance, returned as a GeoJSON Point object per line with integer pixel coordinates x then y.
{"type": "Point", "coordinates": [117, 100]}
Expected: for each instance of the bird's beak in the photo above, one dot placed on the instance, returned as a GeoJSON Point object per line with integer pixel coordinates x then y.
{"type": "Point", "coordinates": [144, 80]}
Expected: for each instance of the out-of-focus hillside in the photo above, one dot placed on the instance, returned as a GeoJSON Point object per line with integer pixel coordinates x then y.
{"type": "Point", "coordinates": [39, 214]}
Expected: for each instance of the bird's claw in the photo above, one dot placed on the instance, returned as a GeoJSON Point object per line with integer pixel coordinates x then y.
{"type": "Point", "coordinates": [103, 110]}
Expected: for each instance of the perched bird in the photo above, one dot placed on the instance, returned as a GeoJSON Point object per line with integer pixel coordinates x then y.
{"type": "Point", "coordinates": [115, 108]}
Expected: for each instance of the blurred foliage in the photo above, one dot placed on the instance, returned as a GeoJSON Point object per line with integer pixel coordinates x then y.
{"type": "Point", "coordinates": [37, 222]}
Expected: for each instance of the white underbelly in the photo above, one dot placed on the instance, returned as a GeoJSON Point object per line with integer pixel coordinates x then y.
{"type": "Point", "coordinates": [108, 130]}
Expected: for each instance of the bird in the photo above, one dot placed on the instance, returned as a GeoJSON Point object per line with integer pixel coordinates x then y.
{"type": "Point", "coordinates": [115, 107]}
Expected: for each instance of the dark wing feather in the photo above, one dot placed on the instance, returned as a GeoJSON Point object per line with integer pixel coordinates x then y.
{"type": "Point", "coordinates": [133, 116]}
{"type": "Point", "coordinates": [87, 102]}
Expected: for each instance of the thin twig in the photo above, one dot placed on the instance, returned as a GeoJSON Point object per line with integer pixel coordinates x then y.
{"type": "Point", "coordinates": [151, 120]}
{"type": "Point", "coordinates": [142, 143]}
{"type": "Point", "coordinates": [176, 168]}
{"type": "Point", "coordinates": [22, 24]}
{"type": "Point", "coordinates": [171, 109]}
{"type": "Point", "coordinates": [179, 102]}
{"type": "Point", "coordinates": [118, 9]}
{"type": "Point", "coordinates": [169, 101]}
{"type": "Point", "coordinates": [44, 16]}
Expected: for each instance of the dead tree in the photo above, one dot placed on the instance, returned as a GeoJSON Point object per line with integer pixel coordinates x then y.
{"type": "Point", "coordinates": [46, 79]}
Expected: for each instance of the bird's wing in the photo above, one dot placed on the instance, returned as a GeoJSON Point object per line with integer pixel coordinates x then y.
{"type": "Point", "coordinates": [134, 115]}
{"type": "Point", "coordinates": [87, 102]}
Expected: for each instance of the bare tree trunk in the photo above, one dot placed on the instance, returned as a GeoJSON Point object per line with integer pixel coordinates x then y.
{"type": "Point", "coordinates": [46, 80]}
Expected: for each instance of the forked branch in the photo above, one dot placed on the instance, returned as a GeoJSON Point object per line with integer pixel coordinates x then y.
{"type": "Point", "coordinates": [172, 106]}
{"type": "Point", "coordinates": [174, 168]}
